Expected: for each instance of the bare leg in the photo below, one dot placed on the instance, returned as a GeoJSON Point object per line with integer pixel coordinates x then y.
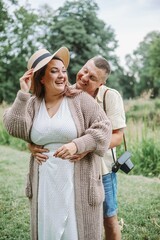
{"type": "Point", "coordinates": [112, 228]}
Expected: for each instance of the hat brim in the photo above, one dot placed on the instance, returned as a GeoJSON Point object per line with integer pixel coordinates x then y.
{"type": "Point", "coordinates": [61, 53]}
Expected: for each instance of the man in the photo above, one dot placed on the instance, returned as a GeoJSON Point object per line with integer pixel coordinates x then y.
{"type": "Point", "coordinates": [91, 79]}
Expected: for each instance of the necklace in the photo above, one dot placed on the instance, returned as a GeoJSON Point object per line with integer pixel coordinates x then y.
{"type": "Point", "coordinates": [50, 107]}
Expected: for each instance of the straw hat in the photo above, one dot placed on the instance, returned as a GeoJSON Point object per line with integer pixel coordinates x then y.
{"type": "Point", "coordinates": [41, 57]}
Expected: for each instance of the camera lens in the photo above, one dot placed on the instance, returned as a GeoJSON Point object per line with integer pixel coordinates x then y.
{"type": "Point", "coordinates": [114, 168]}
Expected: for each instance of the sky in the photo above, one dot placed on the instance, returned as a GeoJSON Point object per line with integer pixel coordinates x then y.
{"type": "Point", "coordinates": [131, 20]}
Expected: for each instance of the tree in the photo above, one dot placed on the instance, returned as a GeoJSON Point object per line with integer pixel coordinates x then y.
{"type": "Point", "coordinates": [5, 20]}
{"type": "Point", "coordinates": [17, 46]}
{"type": "Point", "coordinates": [77, 26]}
{"type": "Point", "coordinates": [145, 64]}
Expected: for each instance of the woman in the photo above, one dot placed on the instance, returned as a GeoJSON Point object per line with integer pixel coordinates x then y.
{"type": "Point", "coordinates": [66, 197]}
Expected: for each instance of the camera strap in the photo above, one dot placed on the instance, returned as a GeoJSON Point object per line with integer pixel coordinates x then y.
{"type": "Point", "coordinates": [124, 139]}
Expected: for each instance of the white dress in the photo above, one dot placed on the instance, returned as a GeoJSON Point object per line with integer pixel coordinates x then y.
{"type": "Point", "coordinates": [56, 204]}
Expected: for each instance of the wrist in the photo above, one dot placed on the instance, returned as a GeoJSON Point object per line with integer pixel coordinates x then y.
{"type": "Point", "coordinates": [75, 147]}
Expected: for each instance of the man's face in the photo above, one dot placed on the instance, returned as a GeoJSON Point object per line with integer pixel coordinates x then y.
{"type": "Point", "coordinates": [90, 78]}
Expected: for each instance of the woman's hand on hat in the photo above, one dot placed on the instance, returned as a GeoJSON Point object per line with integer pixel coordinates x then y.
{"type": "Point", "coordinates": [25, 81]}
{"type": "Point", "coordinates": [66, 151]}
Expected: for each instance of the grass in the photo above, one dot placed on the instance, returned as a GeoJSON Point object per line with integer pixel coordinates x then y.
{"type": "Point", "coordinates": [14, 206]}
{"type": "Point", "coordinates": [138, 201]}
{"type": "Point", "coordinates": [139, 207]}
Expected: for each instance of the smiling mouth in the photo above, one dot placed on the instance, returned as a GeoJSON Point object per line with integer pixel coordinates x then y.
{"type": "Point", "coordinates": [60, 83]}
{"type": "Point", "coordinates": [82, 83]}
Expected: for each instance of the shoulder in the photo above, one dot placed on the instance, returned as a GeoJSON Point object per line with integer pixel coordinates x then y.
{"type": "Point", "coordinates": [81, 95]}
{"type": "Point", "coordinates": [25, 97]}
{"type": "Point", "coordinates": [115, 108]}
{"type": "Point", "coordinates": [85, 103]}
{"type": "Point", "coordinates": [85, 98]}
{"type": "Point", "coordinates": [110, 91]}
{"type": "Point", "coordinates": [28, 101]}
{"type": "Point", "coordinates": [110, 94]}
{"type": "Point", "coordinates": [85, 95]}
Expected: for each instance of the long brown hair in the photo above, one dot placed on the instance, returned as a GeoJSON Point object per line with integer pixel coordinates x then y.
{"type": "Point", "coordinates": [37, 88]}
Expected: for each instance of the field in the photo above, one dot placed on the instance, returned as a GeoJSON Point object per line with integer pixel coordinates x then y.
{"type": "Point", "coordinates": [138, 201]}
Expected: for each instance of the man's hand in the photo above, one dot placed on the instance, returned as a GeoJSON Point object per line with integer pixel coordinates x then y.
{"type": "Point", "coordinates": [37, 152]}
{"type": "Point", "coordinates": [78, 157]}
{"type": "Point", "coordinates": [66, 151]}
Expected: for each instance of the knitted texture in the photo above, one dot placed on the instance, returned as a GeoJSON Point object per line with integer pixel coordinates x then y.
{"type": "Point", "coordinates": [94, 134]}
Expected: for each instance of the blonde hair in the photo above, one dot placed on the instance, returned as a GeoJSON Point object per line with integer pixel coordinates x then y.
{"type": "Point", "coordinates": [101, 63]}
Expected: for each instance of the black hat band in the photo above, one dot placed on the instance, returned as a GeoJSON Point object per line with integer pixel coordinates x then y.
{"type": "Point", "coordinates": [40, 59]}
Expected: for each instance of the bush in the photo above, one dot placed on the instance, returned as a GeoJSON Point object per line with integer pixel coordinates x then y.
{"type": "Point", "coordinates": [146, 157]}
{"type": "Point", "coordinates": [6, 139]}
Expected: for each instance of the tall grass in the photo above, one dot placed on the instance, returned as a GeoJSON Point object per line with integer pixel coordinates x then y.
{"type": "Point", "coordinates": [143, 136]}
{"type": "Point", "coordinates": [143, 142]}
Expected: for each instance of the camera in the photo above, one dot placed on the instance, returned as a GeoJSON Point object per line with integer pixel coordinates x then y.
{"type": "Point", "coordinates": [123, 162]}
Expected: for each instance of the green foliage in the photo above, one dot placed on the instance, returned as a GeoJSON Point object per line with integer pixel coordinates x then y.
{"type": "Point", "coordinates": [146, 157]}
{"type": "Point", "coordinates": [157, 104]}
{"type": "Point", "coordinates": [74, 25]}
{"type": "Point", "coordinates": [144, 64]}
{"type": "Point", "coordinates": [6, 139]}
{"type": "Point", "coordinates": [77, 26]}
{"type": "Point", "coordinates": [143, 136]}
{"type": "Point", "coordinates": [4, 18]}
{"type": "Point", "coordinates": [15, 48]}
{"type": "Point", "coordinates": [124, 83]}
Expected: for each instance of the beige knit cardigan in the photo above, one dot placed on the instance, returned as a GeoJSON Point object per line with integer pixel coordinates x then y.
{"type": "Point", "coordinates": [94, 134]}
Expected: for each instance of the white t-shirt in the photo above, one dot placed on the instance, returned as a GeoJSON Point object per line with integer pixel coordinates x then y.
{"type": "Point", "coordinates": [116, 114]}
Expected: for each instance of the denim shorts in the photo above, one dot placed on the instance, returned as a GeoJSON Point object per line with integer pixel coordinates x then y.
{"type": "Point", "coordinates": [110, 189]}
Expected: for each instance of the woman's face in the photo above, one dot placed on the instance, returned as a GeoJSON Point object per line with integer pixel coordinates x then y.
{"type": "Point", "coordinates": [55, 77]}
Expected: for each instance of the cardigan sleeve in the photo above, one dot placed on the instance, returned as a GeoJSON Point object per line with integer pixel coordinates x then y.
{"type": "Point", "coordinates": [17, 119]}
{"type": "Point", "coordinates": [98, 130]}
